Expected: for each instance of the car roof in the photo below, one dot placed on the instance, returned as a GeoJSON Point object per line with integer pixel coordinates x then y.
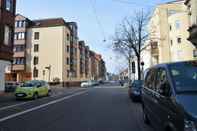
{"type": "Point", "coordinates": [166, 65]}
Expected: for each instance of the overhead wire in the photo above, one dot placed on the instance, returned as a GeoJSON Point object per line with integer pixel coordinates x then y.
{"type": "Point", "coordinates": [92, 3]}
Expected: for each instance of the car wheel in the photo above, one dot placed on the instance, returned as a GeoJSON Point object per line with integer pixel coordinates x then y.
{"type": "Point", "coordinates": [35, 96]}
{"type": "Point", "coordinates": [145, 117]}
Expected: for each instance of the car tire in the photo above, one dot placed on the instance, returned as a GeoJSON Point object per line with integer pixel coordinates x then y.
{"type": "Point", "coordinates": [145, 116]}
{"type": "Point", "coordinates": [35, 96]}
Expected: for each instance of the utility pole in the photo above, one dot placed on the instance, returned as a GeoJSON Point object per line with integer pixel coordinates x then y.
{"type": "Point", "coordinates": [49, 69]}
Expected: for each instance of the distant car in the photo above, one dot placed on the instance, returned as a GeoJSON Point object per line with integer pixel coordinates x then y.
{"type": "Point", "coordinates": [10, 86]}
{"type": "Point", "coordinates": [85, 84]}
{"type": "Point", "coordinates": [32, 90]}
{"type": "Point", "coordinates": [169, 97]}
{"type": "Point", "coordinates": [134, 90]}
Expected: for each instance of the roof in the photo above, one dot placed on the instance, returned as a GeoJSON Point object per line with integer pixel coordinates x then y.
{"type": "Point", "coordinates": [48, 22]}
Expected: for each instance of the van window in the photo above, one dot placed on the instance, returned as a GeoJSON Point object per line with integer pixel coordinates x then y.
{"type": "Point", "coordinates": [149, 79]}
{"type": "Point", "coordinates": [161, 78]}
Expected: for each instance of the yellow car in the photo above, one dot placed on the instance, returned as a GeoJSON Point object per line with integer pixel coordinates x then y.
{"type": "Point", "coordinates": [32, 90]}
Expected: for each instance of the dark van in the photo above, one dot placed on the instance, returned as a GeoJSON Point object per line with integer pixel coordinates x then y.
{"type": "Point", "coordinates": [169, 97]}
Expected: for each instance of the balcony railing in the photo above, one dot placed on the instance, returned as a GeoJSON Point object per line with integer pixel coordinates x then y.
{"type": "Point", "coordinates": [19, 54]}
{"type": "Point", "coordinates": [18, 67]}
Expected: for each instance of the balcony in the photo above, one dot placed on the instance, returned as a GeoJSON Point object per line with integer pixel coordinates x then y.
{"type": "Point", "coordinates": [19, 42]}
{"type": "Point", "coordinates": [18, 67]}
{"type": "Point", "coordinates": [19, 54]}
{"type": "Point", "coordinates": [193, 35]}
{"type": "Point", "coordinates": [154, 48]}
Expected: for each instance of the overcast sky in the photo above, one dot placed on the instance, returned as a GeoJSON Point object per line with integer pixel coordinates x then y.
{"type": "Point", "coordinates": [97, 20]}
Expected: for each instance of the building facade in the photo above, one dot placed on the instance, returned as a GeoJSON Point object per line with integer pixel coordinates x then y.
{"type": "Point", "coordinates": [192, 13]}
{"type": "Point", "coordinates": [49, 40]}
{"type": "Point", "coordinates": [48, 49]}
{"type": "Point", "coordinates": [7, 16]}
{"type": "Point", "coordinates": [168, 34]}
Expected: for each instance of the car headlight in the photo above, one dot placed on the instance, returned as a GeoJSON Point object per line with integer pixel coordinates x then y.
{"type": "Point", "coordinates": [190, 126]}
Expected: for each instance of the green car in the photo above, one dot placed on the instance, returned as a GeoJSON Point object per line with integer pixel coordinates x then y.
{"type": "Point", "coordinates": [32, 90]}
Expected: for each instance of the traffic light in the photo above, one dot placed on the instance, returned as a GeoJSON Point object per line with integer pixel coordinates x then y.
{"type": "Point", "coordinates": [133, 67]}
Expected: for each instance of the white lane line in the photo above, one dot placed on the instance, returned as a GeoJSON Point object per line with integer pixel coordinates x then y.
{"type": "Point", "coordinates": [11, 106]}
{"type": "Point", "coordinates": [41, 106]}
{"type": "Point", "coordinates": [23, 103]}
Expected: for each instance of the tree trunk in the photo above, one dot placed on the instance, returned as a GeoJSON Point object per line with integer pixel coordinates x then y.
{"type": "Point", "coordinates": [138, 67]}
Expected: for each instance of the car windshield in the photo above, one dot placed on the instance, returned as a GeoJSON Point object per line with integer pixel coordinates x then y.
{"type": "Point", "coordinates": [29, 84]}
{"type": "Point", "coordinates": [184, 76]}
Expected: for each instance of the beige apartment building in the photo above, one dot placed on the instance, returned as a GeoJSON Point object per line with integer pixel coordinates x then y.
{"type": "Point", "coordinates": [48, 49]}
{"type": "Point", "coordinates": [49, 58]}
{"type": "Point", "coordinates": [168, 34]}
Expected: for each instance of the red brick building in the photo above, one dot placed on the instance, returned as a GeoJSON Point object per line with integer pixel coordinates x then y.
{"type": "Point", "coordinates": [7, 20]}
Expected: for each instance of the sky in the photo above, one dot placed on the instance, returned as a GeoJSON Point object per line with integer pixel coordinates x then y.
{"type": "Point", "coordinates": [96, 19]}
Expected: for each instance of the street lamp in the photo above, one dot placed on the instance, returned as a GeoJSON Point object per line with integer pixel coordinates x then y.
{"type": "Point", "coordinates": [49, 69]}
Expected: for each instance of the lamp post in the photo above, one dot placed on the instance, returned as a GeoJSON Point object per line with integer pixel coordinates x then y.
{"type": "Point", "coordinates": [49, 69]}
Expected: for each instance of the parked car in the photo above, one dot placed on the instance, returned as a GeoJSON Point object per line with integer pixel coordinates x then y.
{"type": "Point", "coordinates": [134, 90]}
{"type": "Point", "coordinates": [169, 97]}
{"type": "Point", "coordinates": [89, 83]}
{"type": "Point", "coordinates": [10, 86]}
{"type": "Point", "coordinates": [32, 90]}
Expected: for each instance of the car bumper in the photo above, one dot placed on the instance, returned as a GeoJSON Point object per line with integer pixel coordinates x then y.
{"type": "Point", "coordinates": [136, 97]}
{"type": "Point", "coordinates": [21, 95]}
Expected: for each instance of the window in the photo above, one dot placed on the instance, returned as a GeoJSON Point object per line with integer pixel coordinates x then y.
{"type": "Point", "coordinates": [67, 61]}
{"type": "Point", "coordinates": [170, 27]}
{"type": "Point", "coordinates": [36, 59]}
{"type": "Point", "coordinates": [68, 49]}
{"type": "Point", "coordinates": [7, 35]}
{"type": "Point", "coordinates": [178, 40]}
{"type": "Point", "coordinates": [149, 80]}
{"type": "Point", "coordinates": [177, 24]}
{"type": "Point", "coordinates": [68, 73]}
{"type": "Point", "coordinates": [35, 72]}
{"type": "Point", "coordinates": [171, 41]}
{"type": "Point", "coordinates": [18, 61]}
{"type": "Point", "coordinates": [19, 36]}
{"type": "Point", "coordinates": [36, 36]}
{"type": "Point", "coordinates": [19, 48]}
{"type": "Point", "coordinates": [36, 48]}
{"type": "Point", "coordinates": [68, 37]}
{"type": "Point", "coordinates": [9, 5]}
{"type": "Point", "coordinates": [161, 78]}
{"type": "Point", "coordinates": [195, 53]}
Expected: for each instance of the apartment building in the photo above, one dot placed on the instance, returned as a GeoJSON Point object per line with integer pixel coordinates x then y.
{"type": "Point", "coordinates": [168, 34]}
{"type": "Point", "coordinates": [49, 40]}
{"type": "Point", "coordinates": [19, 70]}
{"type": "Point", "coordinates": [192, 13]}
{"type": "Point", "coordinates": [7, 16]}
{"type": "Point", "coordinates": [73, 49]}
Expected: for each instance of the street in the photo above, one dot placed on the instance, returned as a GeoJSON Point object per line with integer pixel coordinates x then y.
{"type": "Point", "coordinates": [93, 109]}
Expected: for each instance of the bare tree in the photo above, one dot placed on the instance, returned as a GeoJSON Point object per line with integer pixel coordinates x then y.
{"type": "Point", "coordinates": [130, 37]}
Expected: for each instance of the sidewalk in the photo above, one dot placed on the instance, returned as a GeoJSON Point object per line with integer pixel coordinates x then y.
{"type": "Point", "coordinates": [6, 97]}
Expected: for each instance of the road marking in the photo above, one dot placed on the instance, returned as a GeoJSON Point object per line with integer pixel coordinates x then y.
{"type": "Point", "coordinates": [23, 103]}
{"type": "Point", "coordinates": [11, 106]}
{"type": "Point", "coordinates": [41, 106]}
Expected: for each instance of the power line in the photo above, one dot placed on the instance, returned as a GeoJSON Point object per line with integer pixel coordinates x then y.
{"type": "Point", "coordinates": [134, 3]}
{"type": "Point", "coordinates": [92, 3]}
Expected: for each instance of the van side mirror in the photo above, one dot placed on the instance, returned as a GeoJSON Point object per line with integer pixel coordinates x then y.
{"type": "Point", "coordinates": [165, 89]}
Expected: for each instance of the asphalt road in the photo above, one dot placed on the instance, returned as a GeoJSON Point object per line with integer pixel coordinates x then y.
{"type": "Point", "coordinates": [94, 109]}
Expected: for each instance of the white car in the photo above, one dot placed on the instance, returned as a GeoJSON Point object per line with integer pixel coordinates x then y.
{"type": "Point", "coordinates": [87, 83]}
